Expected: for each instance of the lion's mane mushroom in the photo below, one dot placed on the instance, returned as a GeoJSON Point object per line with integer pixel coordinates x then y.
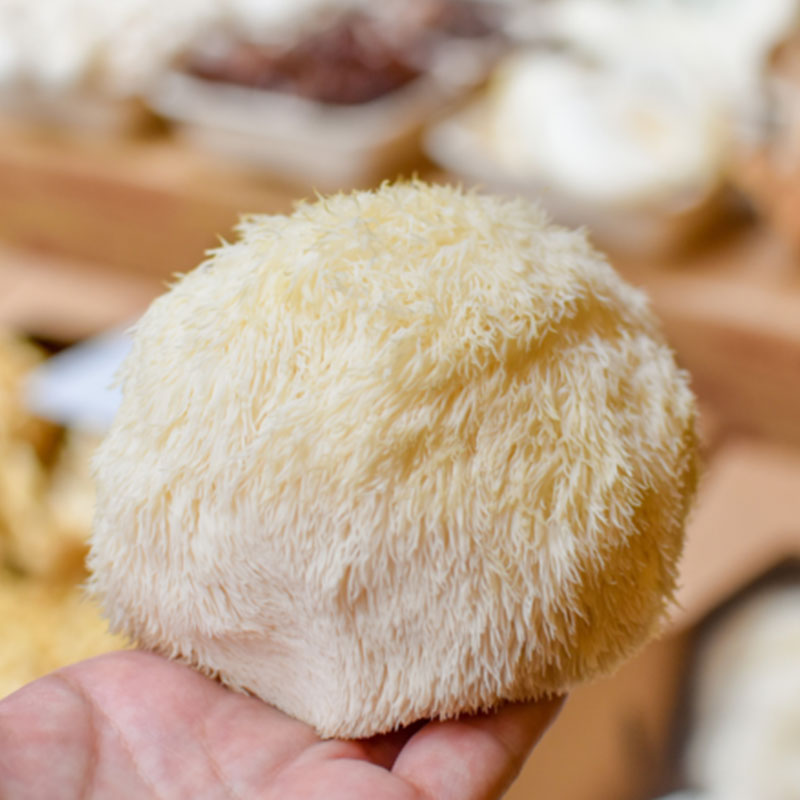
{"type": "Point", "coordinates": [406, 453]}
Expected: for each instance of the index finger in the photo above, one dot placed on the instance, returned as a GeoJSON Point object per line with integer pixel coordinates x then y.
{"type": "Point", "coordinates": [474, 758]}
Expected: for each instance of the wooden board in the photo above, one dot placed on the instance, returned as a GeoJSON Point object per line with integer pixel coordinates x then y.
{"type": "Point", "coordinates": [64, 300]}
{"type": "Point", "coordinates": [732, 313]}
{"type": "Point", "coordinates": [146, 206]}
{"type": "Point", "coordinates": [746, 521]}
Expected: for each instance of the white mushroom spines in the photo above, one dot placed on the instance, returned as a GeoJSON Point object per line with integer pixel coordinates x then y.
{"type": "Point", "coordinates": [404, 453]}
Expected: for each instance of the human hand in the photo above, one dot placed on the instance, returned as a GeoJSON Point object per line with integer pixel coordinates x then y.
{"type": "Point", "coordinates": [135, 725]}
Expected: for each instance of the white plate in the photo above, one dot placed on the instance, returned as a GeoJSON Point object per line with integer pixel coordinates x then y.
{"type": "Point", "coordinates": [457, 144]}
{"type": "Point", "coordinates": [329, 146]}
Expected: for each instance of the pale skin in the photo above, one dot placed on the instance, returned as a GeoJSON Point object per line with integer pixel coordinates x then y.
{"type": "Point", "coordinates": [134, 725]}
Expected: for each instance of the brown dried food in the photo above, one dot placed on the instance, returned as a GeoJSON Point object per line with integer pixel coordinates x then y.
{"type": "Point", "coordinates": [345, 64]}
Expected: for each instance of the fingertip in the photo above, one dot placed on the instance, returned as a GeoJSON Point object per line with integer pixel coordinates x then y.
{"type": "Point", "coordinates": [475, 757]}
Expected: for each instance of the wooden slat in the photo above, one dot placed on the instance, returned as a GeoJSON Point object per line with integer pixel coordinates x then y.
{"type": "Point", "coordinates": [149, 206]}
{"type": "Point", "coordinates": [64, 300]}
{"type": "Point", "coordinates": [733, 315]}
{"type": "Point", "coordinates": [747, 520]}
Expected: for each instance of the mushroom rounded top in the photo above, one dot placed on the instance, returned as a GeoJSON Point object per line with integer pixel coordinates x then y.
{"type": "Point", "coordinates": [403, 453]}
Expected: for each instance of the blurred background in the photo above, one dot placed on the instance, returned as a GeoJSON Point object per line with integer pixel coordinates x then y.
{"type": "Point", "coordinates": [134, 133]}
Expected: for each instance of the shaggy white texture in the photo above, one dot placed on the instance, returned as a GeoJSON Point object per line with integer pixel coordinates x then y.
{"type": "Point", "coordinates": [402, 454]}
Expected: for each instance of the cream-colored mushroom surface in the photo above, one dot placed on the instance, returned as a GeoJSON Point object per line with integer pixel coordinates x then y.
{"type": "Point", "coordinates": [402, 454]}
